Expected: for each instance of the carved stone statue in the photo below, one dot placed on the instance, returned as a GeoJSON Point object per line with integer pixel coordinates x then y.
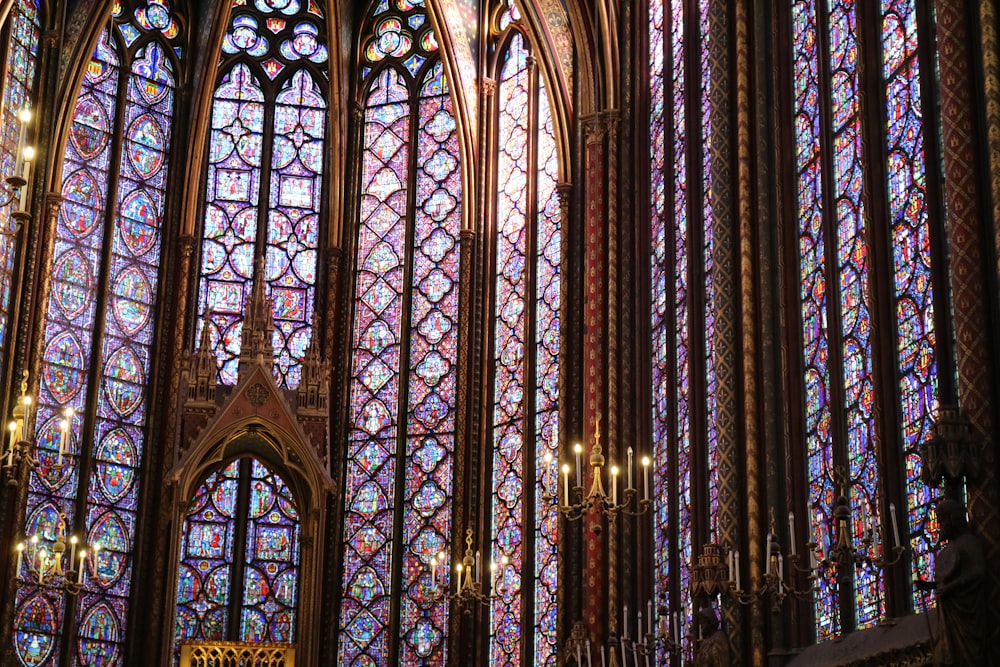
{"type": "Point", "coordinates": [713, 649]}
{"type": "Point", "coordinates": [959, 574]}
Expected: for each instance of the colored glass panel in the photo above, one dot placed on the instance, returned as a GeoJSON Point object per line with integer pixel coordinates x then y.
{"type": "Point", "coordinates": [227, 253]}
{"type": "Point", "coordinates": [269, 45]}
{"type": "Point", "coordinates": [547, 331]}
{"type": "Point", "coordinates": [906, 170]}
{"type": "Point", "coordinates": [855, 298]}
{"type": "Point", "coordinates": [815, 303]}
{"type": "Point", "coordinates": [427, 519]}
{"type": "Point", "coordinates": [101, 263]}
{"type": "Point", "coordinates": [661, 281]}
{"type": "Point", "coordinates": [70, 316]}
{"type": "Point", "coordinates": [370, 489]}
{"type": "Point", "coordinates": [241, 544]}
{"type": "Point", "coordinates": [510, 338]}
{"type": "Point", "coordinates": [293, 227]}
{"type": "Point", "coordinates": [407, 270]}
{"type": "Point", "coordinates": [22, 59]}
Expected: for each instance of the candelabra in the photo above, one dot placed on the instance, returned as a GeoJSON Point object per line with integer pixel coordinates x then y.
{"type": "Point", "coordinates": [597, 499]}
{"type": "Point", "coordinates": [17, 182]}
{"type": "Point", "coordinates": [468, 580]}
{"type": "Point", "coordinates": [21, 452]}
{"type": "Point", "coordinates": [846, 556]}
{"type": "Point", "coordinates": [41, 559]}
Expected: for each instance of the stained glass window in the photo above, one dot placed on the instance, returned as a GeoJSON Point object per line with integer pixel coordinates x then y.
{"type": "Point", "coordinates": [525, 424]}
{"type": "Point", "coordinates": [99, 332]}
{"type": "Point", "coordinates": [682, 290]}
{"type": "Point", "coordinates": [23, 26]}
{"type": "Point", "coordinates": [836, 292]}
{"type": "Point", "coordinates": [239, 558]}
{"type": "Point", "coordinates": [273, 65]}
{"type": "Point", "coordinates": [405, 345]}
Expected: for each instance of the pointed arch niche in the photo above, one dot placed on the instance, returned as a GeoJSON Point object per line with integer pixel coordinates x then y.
{"type": "Point", "coordinates": [250, 500]}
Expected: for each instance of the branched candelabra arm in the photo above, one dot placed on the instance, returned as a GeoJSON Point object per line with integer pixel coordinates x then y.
{"type": "Point", "coordinates": [468, 578]}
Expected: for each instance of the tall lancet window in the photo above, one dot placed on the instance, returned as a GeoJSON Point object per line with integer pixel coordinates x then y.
{"type": "Point", "coordinates": [19, 61]}
{"type": "Point", "coordinates": [98, 334]}
{"type": "Point", "coordinates": [525, 423]}
{"type": "Point", "coordinates": [264, 187]}
{"type": "Point", "coordinates": [401, 415]}
{"type": "Point", "coordinates": [682, 291]}
{"type": "Point", "coordinates": [860, 186]}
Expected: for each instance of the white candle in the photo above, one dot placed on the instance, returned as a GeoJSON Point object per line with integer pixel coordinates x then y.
{"type": "Point", "coordinates": [635, 654]}
{"type": "Point", "coordinates": [26, 402]}
{"type": "Point", "coordinates": [614, 485]}
{"type": "Point", "coordinates": [736, 565]}
{"type": "Point", "coordinates": [578, 449]}
{"type": "Point", "coordinates": [458, 578]}
{"type": "Point", "coordinates": [677, 633]}
{"type": "Point", "coordinates": [645, 477]}
{"type": "Point", "coordinates": [781, 567]}
{"type": "Point", "coordinates": [629, 467]}
{"type": "Point", "coordinates": [83, 563]}
{"type": "Point", "coordinates": [589, 663]}
{"type": "Point", "coordinates": [638, 626]}
{"type": "Point", "coordinates": [433, 572]}
{"type": "Point", "coordinates": [895, 525]}
{"type": "Point", "coordinates": [791, 533]}
{"type": "Point", "coordinates": [20, 559]}
{"type": "Point", "coordinates": [72, 550]}
{"type": "Point", "coordinates": [478, 572]}
{"type": "Point", "coordinates": [13, 441]}
{"type": "Point", "coordinates": [42, 557]}
{"type": "Point", "coordinates": [625, 622]}
{"type": "Point", "coordinates": [25, 117]}
{"type": "Point", "coordinates": [767, 555]}
{"type": "Point", "coordinates": [603, 662]}
{"type": "Point", "coordinates": [565, 469]}
{"type": "Point", "coordinates": [579, 661]}
{"type": "Point", "coordinates": [29, 155]}
{"type": "Point", "coordinates": [731, 578]}
{"type": "Point", "coordinates": [649, 618]}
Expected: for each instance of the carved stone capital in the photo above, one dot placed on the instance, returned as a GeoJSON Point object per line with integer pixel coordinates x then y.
{"type": "Point", "coordinates": [594, 128]}
{"type": "Point", "coordinates": [487, 86]}
{"type": "Point", "coordinates": [186, 246]}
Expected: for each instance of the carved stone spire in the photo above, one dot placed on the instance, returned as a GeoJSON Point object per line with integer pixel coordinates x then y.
{"type": "Point", "coordinates": [312, 393]}
{"type": "Point", "coordinates": [258, 326]}
{"type": "Point", "coordinates": [202, 369]}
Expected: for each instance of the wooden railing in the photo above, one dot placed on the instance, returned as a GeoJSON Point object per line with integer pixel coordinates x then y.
{"type": "Point", "coordinates": [236, 654]}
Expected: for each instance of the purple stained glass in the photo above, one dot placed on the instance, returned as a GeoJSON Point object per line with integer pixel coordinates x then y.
{"type": "Point", "coordinates": [22, 58]}
{"type": "Point", "coordinates": [132, 111]}
{"type": "Point", "coordinates": [280, 41]}
{"type": "Point", "coordinates": [852, 254]}
{"type": "Point", "coordinates": [223, 547]}
{"type": "Point", "coordinates": [815, 304]}
{"type": "Point", "coordinates": [293, 229]}
{"type": "Point", "coordinates": [711, 388]}
{"type": "Point", "coordinates": [547, 331]}
{"type": "Point", "coordinates": [231, 218]}
{"type": "Point", "coordinates": [906, 170]}
{"type": "Point", "coordinates": [660, 283]}
{"type": "Point", "coordinates": [510, 338]}
{"type": "Point", "coordinates": [427, 524]}
{"type": "Point", "coordinates": [80, 238]}
{"type": "Point", "coordinates": [370, 495]}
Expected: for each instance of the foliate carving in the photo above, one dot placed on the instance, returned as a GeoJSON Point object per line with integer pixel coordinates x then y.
{"type": "Point", "coordinates": [594, 128]}
{"type": "Point", "coordinates": [487, 86]}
